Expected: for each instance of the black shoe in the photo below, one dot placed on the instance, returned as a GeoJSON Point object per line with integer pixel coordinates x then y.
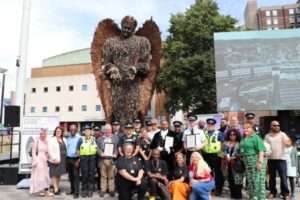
{"type": "Point", "coordinates": [69, 193]}
{"type": "Point", "coordinates": [75, 196]}
{"type": "Point", "coordinates": [57, 192]}
{"type": "Point", "coordinates": [101, 194]}
{"type": "Point", "coordinates": [112, 194]}
{"type": "Point", "coordinates": [83, 195]}
{"type": "Point", "coordinates": [90, 194]}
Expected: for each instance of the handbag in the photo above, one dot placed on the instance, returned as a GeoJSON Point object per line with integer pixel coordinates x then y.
{"type": "Point", "coordinates": [239, 166]}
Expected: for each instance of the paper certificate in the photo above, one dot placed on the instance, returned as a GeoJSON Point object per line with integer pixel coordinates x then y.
{"type": "Point", "coordinates": [169, 142]}
{"type": "Point", "coordinates": [108, 149]}
{"type": "Point", "coordinates": [198, 140]}
{"type": "Point", "coordinates": [190, 141]}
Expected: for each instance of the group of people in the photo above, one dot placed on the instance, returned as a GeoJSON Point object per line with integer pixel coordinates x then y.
{"type": "Point", "coordinates": [156, 162]}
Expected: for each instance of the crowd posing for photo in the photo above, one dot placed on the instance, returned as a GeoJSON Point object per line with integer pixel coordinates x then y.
{"type": "Point", "coordinates": [156, 162]}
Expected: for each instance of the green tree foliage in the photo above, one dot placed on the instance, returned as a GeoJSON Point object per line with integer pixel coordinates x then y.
{"type": "Point", "coordinates": [188, 74]}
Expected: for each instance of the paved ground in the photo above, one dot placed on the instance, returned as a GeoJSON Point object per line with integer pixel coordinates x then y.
{"type": "Point", "coordinates": [11, 193]}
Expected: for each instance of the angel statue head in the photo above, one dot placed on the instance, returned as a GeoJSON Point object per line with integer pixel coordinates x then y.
{"type": "Point", "coordinates": [128, 26]}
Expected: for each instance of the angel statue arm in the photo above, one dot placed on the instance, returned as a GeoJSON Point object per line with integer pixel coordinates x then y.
{"type": "Point", "coordinates": [110, 70]}
{"type": "Point", "coordinates": [143, 63]}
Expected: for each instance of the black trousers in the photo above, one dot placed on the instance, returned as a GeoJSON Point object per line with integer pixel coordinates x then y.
{"type": "Point", "coordinates": [280, 167]}
{"type": "Point", "coordinates": [158, 189]}
{"type": "Point", "coordinates": [88, 170]}
{"type": "Point", "coordinates": [215, 162]}
{"type": "Point", "coordinates": [235, 190]}
{"type": "Point", "coordinates": [126, 188]}
{"type": "Point", "coordinates": [73, 172]}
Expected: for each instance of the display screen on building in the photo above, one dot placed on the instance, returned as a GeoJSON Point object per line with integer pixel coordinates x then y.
{"type": "Point", "coordinates": [258, 70]}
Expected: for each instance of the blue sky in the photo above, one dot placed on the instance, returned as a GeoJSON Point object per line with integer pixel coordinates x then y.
{"type": "Point", "coordinates": [59, 26]}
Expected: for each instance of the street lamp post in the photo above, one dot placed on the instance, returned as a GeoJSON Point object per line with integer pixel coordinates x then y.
{"type": "Point", "coordinates": [2, 71]}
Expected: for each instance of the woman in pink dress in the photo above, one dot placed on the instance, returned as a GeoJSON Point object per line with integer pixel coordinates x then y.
{"type": "Point", "coordinates": [40, 180]}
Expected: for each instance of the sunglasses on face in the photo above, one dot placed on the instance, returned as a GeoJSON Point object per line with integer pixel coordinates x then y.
{"type": "Point", "coordinates": [276, 125]}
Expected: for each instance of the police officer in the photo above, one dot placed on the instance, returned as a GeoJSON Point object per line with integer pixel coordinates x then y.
{"type": "Point", "coordinates": [116, 128]}
{"type": "Point", "coordinates": [87, 151]}
{"type": "Point", "coordinates": [211, 151]}
{"type": "Point", "coordinates": [178, 134]}
{"type": "Point", "coordinates": [129, 137]}
{"type": "Point", "coordinates": [192, 131]}
{"type": "Point", "coordinates": [250, 118]}
{"type": "Point", "coordinates": [97, 132]}
{"type": "Point", "coordinates": [137, 124]}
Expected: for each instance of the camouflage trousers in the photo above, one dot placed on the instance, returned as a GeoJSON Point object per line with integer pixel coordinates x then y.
{"type": "Point", "coordinates": [255, 178]}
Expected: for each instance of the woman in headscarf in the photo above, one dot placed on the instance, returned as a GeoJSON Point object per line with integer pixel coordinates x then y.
{"type": "Point", "coordinates": [40, 180]}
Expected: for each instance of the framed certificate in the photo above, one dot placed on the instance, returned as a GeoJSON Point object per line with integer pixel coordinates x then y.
{"type": "Point", "coordinates": [169, 142]}
{"type": "Point", "coordinates": [108, 149]}
{"type": "Point", "coordinates": [190, 141]}
{"type": "Point", "coordinates": [198, 140]}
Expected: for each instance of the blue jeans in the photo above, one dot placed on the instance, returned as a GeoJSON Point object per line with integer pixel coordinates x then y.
{"type": "Point", "coordinates": [201, 190]}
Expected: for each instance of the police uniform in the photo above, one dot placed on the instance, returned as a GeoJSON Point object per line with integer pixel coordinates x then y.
{"type": "Point", "coordinates": [199, 138]}
{"type": "Point", "coordinates": [256, 128]}
{"type": "Point", "coordinates": [210, 153]}
{"type": "Point", "coordinates": [126, 187]}
{"type": "Point", "coordinates": [118, 133]}
{"type": "Point", "coordinates": [179, 146]}
{"type": "Point", "coordinates": [87, 152]}
{"type": "Point", "coordinates": [132, 139]}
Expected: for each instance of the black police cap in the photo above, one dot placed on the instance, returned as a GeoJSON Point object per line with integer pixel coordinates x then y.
{"type": "Point", "coordinates": [137, 121]}
{"type": "Point", "coordinates": [128, 125]}
{"type": "Point", "coordinates": [211, 121]}
{"type": "Point", "coordinates": [87, 127]}
{"type": "Point", "coordinates": [96, 128]}
{"type": "Point", "coordinates": [115, 122]}
{"type": "Point", "coordinates": [250, 115]}
{"type": "Point", "coordinates": [177, 123]}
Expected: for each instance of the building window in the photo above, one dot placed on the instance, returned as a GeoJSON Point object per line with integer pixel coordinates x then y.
{"type": "Point", "coordinates": [84, 87]}
{"type": "Point", "coordinates": [291, 11]}
{"type": "Point", "coordinates": [98, 108]}
{"type": "Point", "coordinates": [292, 20]}
{"type": "Point", "coordinates": [71, 88]}
{"type": "Point", "coordinates": [45, 109]}
{"type": "Point", "coordinates": [57, 108]}
{"type": "Point", "coordinates": [57, 88]}
{"type": "Point", "coordinates": [269, 22]}
{"type": "Point", "coordinates": [70, 108]}
{"type": "Point", "coordinates": [268, 13]}
{"type": "Point", "coordinates": [275, 21]}
{"type": "Point", "coordinates": [33, 90]}
{"type": "Point", "coordinates": [45, 89]}
{"type": "Point", "coordinates": [298, 19]}
{"type": "Point", "coordinates": [32, 109]}
{"type": "Point", "coordinates": [83, 108]}
{"type": "Point", "coordinates": [274, 13]}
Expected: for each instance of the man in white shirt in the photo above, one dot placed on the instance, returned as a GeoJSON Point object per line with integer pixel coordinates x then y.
{"type": "Point", "coordinates": [193, 138]}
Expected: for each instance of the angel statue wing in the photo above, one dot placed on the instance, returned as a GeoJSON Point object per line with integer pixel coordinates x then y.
{"type": "Point", "coordinates": [151, 31]}
{"type": "Point", "coordinates": [105, 29]}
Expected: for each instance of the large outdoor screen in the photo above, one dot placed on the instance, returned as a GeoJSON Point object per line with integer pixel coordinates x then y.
{"type": "Point", "coordinates": [258, 70]}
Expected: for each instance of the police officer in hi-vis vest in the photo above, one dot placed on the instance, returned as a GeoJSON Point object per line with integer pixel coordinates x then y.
{"type": "Point", "coordinates": [87, 151]}
{"type": "Point", "coordinates": [211, 153]}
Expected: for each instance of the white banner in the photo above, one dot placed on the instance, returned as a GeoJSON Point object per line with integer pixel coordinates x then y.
{"type": "Point", "coordinates": [30, 132]}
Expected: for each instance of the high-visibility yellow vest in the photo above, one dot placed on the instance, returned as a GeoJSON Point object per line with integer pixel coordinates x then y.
{"type": "Point", "coordinates": [212, 144]}
{"type": "Point", "coordinates": [88, 147]}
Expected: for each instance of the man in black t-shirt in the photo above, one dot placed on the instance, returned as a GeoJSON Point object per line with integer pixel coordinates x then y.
{"type": "Point", "coordinates": [157, 171]}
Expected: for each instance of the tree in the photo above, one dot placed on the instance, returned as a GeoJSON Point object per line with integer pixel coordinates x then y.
{"type": "Point", "coordinates": [188, 74]}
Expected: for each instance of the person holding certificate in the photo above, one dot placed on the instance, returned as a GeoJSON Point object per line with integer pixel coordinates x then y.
{"type": "Point", "coordinates": [107, 151]}
{"type": "Point", "coordinates": [193, 138]}
{"type": "Point", "coordinates": [164, 140]}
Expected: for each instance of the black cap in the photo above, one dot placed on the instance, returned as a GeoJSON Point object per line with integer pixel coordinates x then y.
{"type": "Point", "coordinates": [96, 128]}
{"type": "Point", "coordinates": [137, 121]}
{"type": "Point", "coordinates": [115, 122]}
{"type": "Point", "coordinates": [148, 123]}
{"type": "Point", "coordinates": [177, 123]}
{"type": "Point", "coordinates": [250, 115]}
{"type": "Point", "coordinates": [211, 121]}
{"type": "Point", "coordinates": [128, 125]}
{"type": "Point", "coordinates": [192, 118]}
{"type": "Point", "coordinates": [87, 127]}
